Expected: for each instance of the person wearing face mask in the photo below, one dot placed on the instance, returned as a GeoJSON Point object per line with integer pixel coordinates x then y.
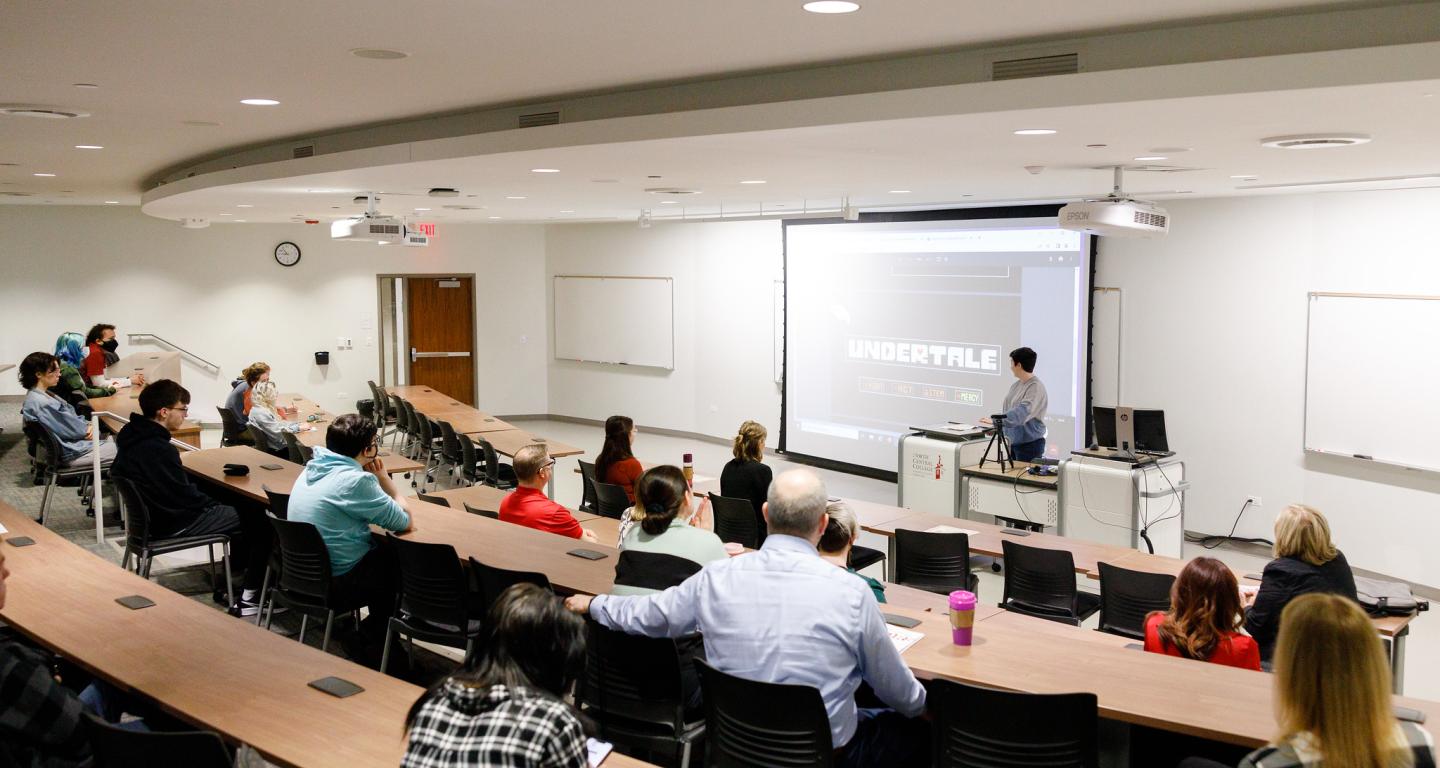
{"type": "Point", "coordinates": [100, 346]}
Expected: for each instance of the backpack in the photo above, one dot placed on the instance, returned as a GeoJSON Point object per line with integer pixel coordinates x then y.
{"type": "Point", "coordinates": [1387, 598]}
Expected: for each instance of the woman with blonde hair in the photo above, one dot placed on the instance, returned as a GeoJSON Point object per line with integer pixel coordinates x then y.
{"type": "Point", "coordinates": [1332, 694]}
{"type": "Point", "coordinates": [266, 421]}
{"type": "Point", "coordinates": [1305, 561]}
{"type": "Point", "coordinates": [239, 400]}
{"type": "Point", "coordinates": [1203, 622]}
{"type": "Point", "coordinates": [746, 476]}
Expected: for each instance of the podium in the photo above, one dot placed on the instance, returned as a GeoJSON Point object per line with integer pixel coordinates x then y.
{"type": "Point", "coordinates": [154, 366]}
{"type": "Point", "coordinates": [928, 475]}
{"type": "Point", "coordinates": [1110, 500]}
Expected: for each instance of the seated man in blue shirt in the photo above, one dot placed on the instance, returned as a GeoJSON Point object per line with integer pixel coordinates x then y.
{"type": "Point", "coordinates": [783, 615]}
{"type": "Point", "coordinates": [342, 492]}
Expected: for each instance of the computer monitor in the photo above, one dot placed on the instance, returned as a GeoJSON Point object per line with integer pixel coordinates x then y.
{"type": "Point", "coordinates": [1147, 425]}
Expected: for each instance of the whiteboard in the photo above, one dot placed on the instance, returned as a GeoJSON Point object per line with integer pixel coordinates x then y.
{"type": "Point", "coordinates": [1370, 367]}
{"type": "Point", "coordinates": [610, 319]}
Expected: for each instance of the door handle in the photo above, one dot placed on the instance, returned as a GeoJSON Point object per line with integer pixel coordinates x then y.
{"type": "Point", "coordinates": [416, 354]}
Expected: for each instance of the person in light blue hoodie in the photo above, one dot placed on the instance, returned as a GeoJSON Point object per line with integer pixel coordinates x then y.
{"type": "Point", "coordinates": [342, 492]}
{"type": "Point", "coordinates": [40, 371]}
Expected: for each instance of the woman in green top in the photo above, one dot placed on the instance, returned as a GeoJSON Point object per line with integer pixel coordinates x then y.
{"type": "Point", "coordinates": [70, 351]}
{"type": "Point", "coordinates": [840, 535]}
{"type": "Point", "coordinates": [663, 523]}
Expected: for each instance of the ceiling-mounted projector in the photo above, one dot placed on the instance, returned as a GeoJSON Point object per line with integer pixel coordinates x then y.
{"type": "Point", "coordinates": [368, 228]}
{"type": "Point", "coordinates": [1116, 215]}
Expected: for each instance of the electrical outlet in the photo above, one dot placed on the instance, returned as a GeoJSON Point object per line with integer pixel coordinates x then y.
{"type": "Point", "coordinates": [1253, 501]}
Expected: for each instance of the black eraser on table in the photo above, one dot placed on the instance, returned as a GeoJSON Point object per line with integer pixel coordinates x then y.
{"type": "Point", "coordinates": [20, 541]}
{"type": "Point", "coordinates": [900, 621]}
{"type": "Point", "coordinates": [1015, 532]}
{"type": "Point", "coordinates": [135, 602]}
{"type": "Point", "coordinates": [588, 554]}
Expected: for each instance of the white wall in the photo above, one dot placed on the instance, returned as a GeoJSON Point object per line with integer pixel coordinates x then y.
{"type": "Point", "coordinates": [724, 276]}
{"type": "Point", "coordinates": [219, 293]}
{"type": "Point", "coordinates": [1214, 333]}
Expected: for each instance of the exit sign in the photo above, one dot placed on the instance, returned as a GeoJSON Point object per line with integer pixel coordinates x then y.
{"type": "Point", "coordinates": [426, 228]}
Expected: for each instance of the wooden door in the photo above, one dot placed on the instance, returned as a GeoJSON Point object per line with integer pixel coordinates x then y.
{"type": "Point", "coordinates": [441, 322]}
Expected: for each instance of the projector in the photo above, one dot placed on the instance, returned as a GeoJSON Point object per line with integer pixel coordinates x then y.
{"type": "Point", "coordinates": [371, 228]}
{"type": "Point", "coordinates": [1116, 217]}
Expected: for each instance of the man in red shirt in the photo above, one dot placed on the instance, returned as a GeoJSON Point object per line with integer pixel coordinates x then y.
{"type": "Point", "coordinates": [529, 506]}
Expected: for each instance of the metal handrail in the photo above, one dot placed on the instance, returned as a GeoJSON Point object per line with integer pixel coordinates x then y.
{"type": "Point", "coordinates": [213, 367]}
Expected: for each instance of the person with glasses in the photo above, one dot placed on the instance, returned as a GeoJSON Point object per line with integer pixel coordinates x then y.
{"type": "Point", "coordinates": [528, 505]}
{"type": "Point", "coordinates": [39, 373]}
{"type": "Point", "coordinates": [148, 458]}
{"type": "Point", "coordinates": [342, 492]}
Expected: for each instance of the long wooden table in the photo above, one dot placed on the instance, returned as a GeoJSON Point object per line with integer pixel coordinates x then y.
{"type": "Point", "coordinates": [305, 408]}
{"type": "Point", "coordinates": [126, 402]}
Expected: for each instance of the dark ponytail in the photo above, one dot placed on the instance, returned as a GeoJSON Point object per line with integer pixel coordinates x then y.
{"type": "Point", "coordinates": [660, 492]}
{"type": "Point", "coordinates": [617, 445]}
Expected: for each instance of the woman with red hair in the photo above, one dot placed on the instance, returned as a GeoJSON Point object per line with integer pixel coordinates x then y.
{"type": "Point", "coordinates": [1204, 618]}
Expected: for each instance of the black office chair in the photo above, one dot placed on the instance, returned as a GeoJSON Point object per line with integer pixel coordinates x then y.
{"type": "Point", "coordinates": [735, 520]}
{"type": "Point", "coordinates": [231, 431]}
{"type": "Point", "coordinates": [400, 435]}
{"type": "Point", "coordinates": [491, 581]}
{"type": "Point", "coordinates": [49, 464]}
{"type": "Point", "coordinates": [490, 513]}
{"type": "Point", "coordinates": [652, 570]}
{"type": "Point", "coordinates": [1127, 597]}
{"type": "Point", "coordinates": [864, 557]}
{"type": "Point", "coordinates": [140, 544]}
{"type": "Point", "coordinates": [632, 688]}
{"type": "Point", "coordinates": [934, 562]}
{"type": "Point", "coordinates": [429, 448]}
{"type": "Point", "coordinates": [304, 583]}
{"type": "Point", "coordinates": [384, 409]}
{"type": "Point", "coordinates": [450, 454]}
{"type": "Point", "coordinates": [441, 500]}
{"type": "Point", "coordinates": [588, 502]}
{"type": "Point", "coordinates": [116, 747]}
{"type": "Point", "coordinates": [437, 604]}
{"type": "Point", "coordinates": [1041, 582]}
{"type": "Point", "coordinates": [412, 435]}
{"type": "Point", "coordinates": [752, 724]}
{"type": "Point", "coordinates": [296, 451]}
{"type": "Point", "coordinates": [497, 473]}
{"type": "Point", "coordinates": [257, 439]}
{"type": "Point", "coordinates": [611, 500]}
{"type": "Point", "coordinates": [1000, 729]}
{"type": "Point", "coordinates": [279, 503]}
{"type": "Point", "coordinates": [470, 470]}
{"type": "Point", "coordinates": [279, 506]}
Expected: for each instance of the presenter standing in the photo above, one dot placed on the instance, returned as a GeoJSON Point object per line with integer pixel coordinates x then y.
{"type": "Point", "coordinates": [1025, 406]}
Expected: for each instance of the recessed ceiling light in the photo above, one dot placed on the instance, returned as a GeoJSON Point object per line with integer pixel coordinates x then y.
{"type": "Point", "coordinates": [1245, 176]}
{"type": "Point", "coordinates": [45, 175]}
{"type": "Point", "coordinates": [753, 181]}
{"type": "Point", "coordinates": [422, 209]}
{"type": "Point", "coordinates": [899, 191]}
{"type": "Point", "coordinates": [239, 221]}
{"type": "Point", "coordinates": [384, 54]}
{"type": "Point", "coordinates": [227, 214]}
{"type": "Point", "coordinates": [494, 217]}
{"type": "Point", "coordinates": [112, 202]}
{"type": "Point", "coordinates": [544, 170]}
{"type": "Point", "coordinates": [668, 202]}
{"type": "Point", "coordinates": [244, 205]}
{"type": "Point", "coordinates": [514, 197]}
{"type": "Point", "coordinates": [260, 102]}
{"type": "Point", "coordinates": [567, 211]}
{"type": "Point", "coordinates": [1035, 132]}
{"type": "Point", "coordinates": [86, 85]}
{"type": "Point", "coordinates": [88, 146]}
{"type": "Point", "coordinates": [1315, 141]}
{"type": "Point", "coordinates": [831, 6]}
{"type": "Point", "coordinates": [1150, 158]}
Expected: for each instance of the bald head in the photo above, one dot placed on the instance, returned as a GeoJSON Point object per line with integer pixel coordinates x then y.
{"type": "Point", "coordinates": [796, 504]}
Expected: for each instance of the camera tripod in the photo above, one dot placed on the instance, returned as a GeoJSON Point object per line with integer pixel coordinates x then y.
{"type": "Point", "coordinates": [1003, 455]}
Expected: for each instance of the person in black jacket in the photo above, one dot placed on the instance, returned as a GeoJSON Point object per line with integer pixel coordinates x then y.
{"type": "Point", "coordinates": [177, 507]}
{"type": "Point", "coordinates": [1305, 561]}
{"type": "Point", "coordinates": [746, 476]}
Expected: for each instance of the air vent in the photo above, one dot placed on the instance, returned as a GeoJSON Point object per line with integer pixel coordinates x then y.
{"type": "Point", "coordinates": [306, 151]}
{"type": "Point", "coordinates": [14, 194]}
{"type": "Point", "coordinates": [539, 118]}
{"type": "Point", "coordinates": [1315, 141]}
{"type": "Point", "coordinates": [41, 110]}
{"type": "Point", "coordinates": [385, 229]}
{"type": "Point", "coordinates": [1038, 66]}
{"type": "Point", "coordinates": [1152, 168]}
{"type": "Point", "coordinates": [1151, 219]}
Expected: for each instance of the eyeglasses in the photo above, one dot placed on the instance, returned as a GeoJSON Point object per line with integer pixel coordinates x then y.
{"type": "Point", "coordinates": [181, 408]}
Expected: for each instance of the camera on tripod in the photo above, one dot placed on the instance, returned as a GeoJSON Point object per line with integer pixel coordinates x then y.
{"type": "Point", "coordinates": [1003, 456]}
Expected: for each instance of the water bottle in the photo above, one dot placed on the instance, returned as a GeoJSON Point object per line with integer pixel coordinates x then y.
{"type": "Point", "coordinates": [962, 616]}
{"type": "Point", "coordinates": [687, 466]}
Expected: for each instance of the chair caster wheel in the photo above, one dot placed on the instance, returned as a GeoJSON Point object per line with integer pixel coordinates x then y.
{"type": "Point", "coordinates": [995, 567]}
{"type": "Point", "coordinates": [89, 511]}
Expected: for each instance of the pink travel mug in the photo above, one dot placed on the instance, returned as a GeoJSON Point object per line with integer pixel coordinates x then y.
{"type": "Point", "coordinates": [962, 616]}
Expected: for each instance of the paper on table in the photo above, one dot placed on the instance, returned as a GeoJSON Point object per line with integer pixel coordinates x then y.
{"type": "Point", "coordinates": [2, 529]}
{"type": "Point", "coordinates": [903, 638]}
{"type": "Point", "coordinates": [597, 751]}
{"type": "Point", "coordinates": [951, 529]}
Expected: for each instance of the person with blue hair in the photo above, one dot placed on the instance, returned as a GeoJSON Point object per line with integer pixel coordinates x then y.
{"type": "Point", "coordinates": [70, 351]}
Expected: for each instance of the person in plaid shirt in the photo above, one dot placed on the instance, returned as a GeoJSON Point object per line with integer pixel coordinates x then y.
{"type": "Point", "coordinates": [506, 710]}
